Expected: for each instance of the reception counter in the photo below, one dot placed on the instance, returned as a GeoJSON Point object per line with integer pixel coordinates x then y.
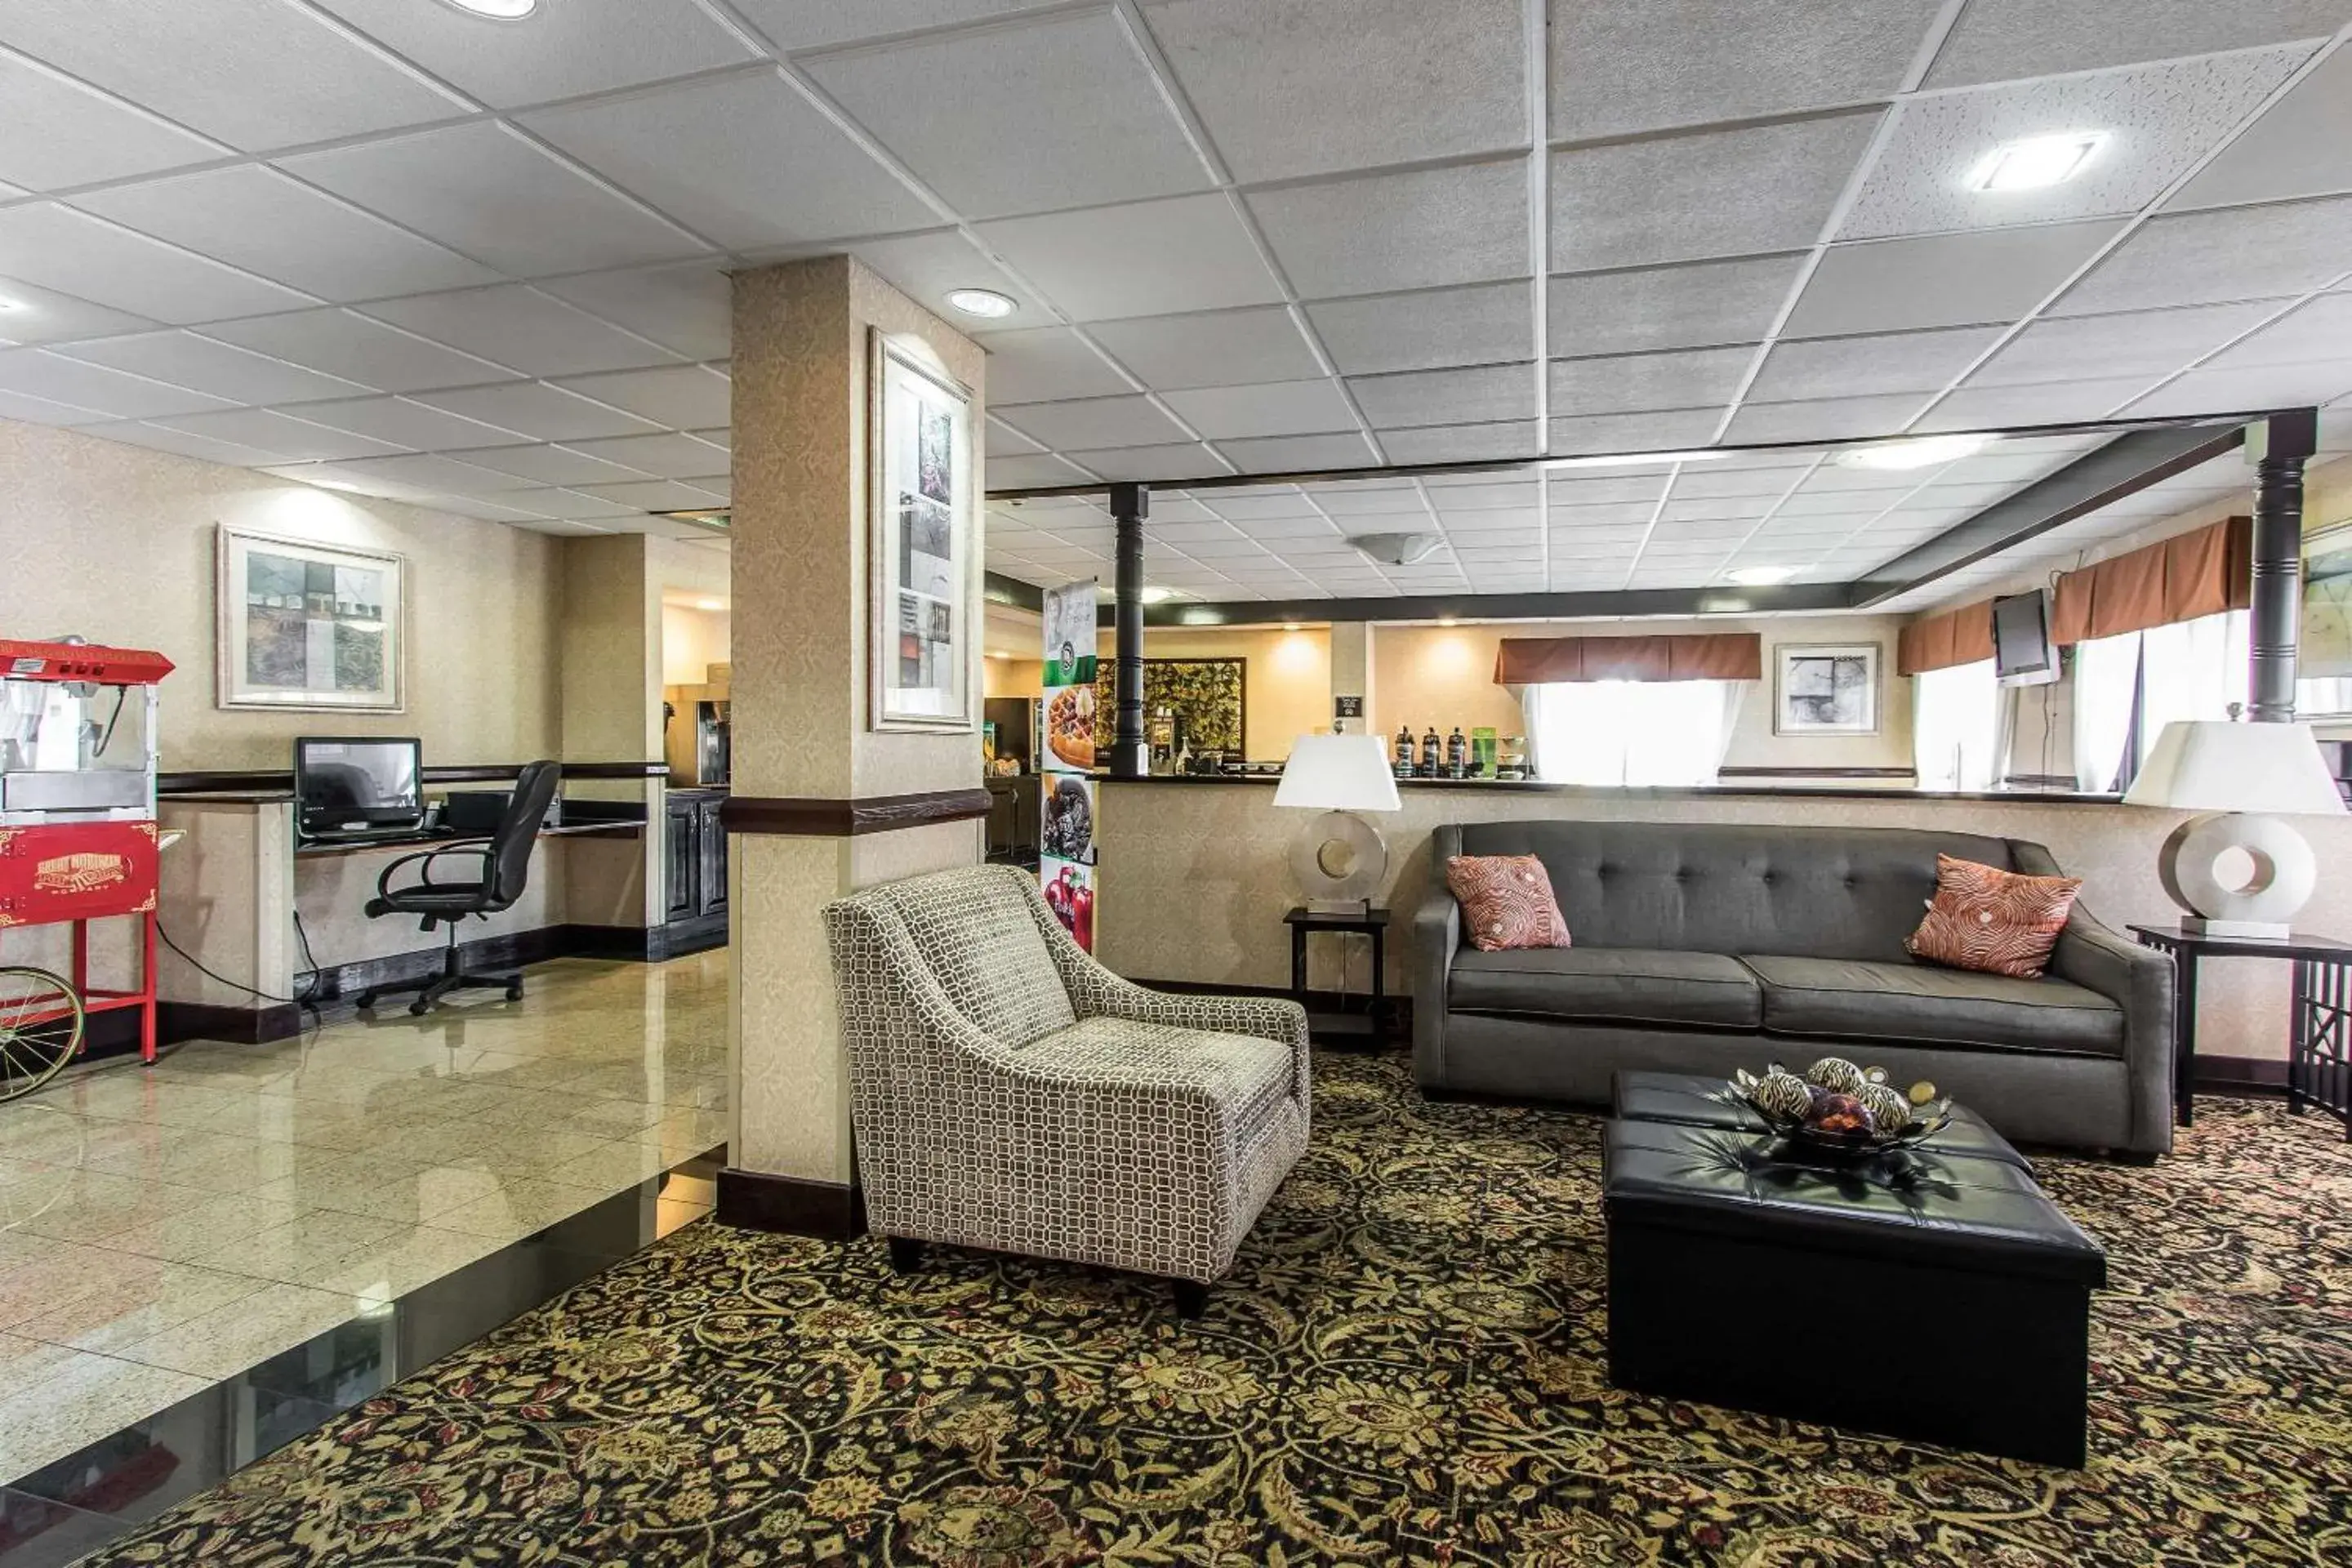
{"type": "Point", "coordinates": [1196, 873]}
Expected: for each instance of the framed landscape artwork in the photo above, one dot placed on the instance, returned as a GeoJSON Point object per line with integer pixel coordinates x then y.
{"type": "Point", "coordinates": [306, 626]}
{"type": "Point", "coordinates": [922, 541]}
{"type": "Point", "coordinates": [1825, 689]}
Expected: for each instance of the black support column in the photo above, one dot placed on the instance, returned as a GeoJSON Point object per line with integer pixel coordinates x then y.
{"type": "Point", "coordinates": [1129, 756]}
{"type": "Point", "coordinates": [2278, 446]}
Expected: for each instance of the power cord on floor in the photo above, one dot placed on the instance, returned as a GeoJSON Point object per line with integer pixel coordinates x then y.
{"type": "Point", "coordinates": [307, 1000]}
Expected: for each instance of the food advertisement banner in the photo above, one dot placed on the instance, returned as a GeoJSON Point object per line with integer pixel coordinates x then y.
{"type": "Point", "coordinates": [1067, 866]}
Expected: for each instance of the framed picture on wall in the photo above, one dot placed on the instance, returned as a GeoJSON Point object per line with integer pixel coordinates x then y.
{"type": "Point", "coordinates": [922, 555]}
{"type": "Point", "coordinates": [303, 625]}
{"type": "Point", "coordinates": [2324, 659]}
{"type": "Point", "coordinates": [1825, 689]}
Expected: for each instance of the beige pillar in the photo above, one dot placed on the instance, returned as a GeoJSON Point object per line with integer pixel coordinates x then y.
{"type": "Point", "coordinates": [1352, 673]}
{"type": "Point", "coordinates": [805, 754]}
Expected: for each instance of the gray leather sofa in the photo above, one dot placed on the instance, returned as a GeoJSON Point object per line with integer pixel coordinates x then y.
{"type": "Point", "coordinates": [1700, 947]}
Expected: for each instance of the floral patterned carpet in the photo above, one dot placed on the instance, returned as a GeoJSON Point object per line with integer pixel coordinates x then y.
{"type": "Point", "coordinates": [1406, 1367]}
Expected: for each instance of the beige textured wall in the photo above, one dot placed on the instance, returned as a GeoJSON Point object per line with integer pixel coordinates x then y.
{"type": "Point", "coordinates": [1196, 876]}
{"type": "Point", "coordinates": [1015, 677]}
{"type": "Point", "coordinates": [1287, 682]}
{"type": "Point", "coordinates": [691, 642]}
{"type": "Point", "coordinates": [117, 542]}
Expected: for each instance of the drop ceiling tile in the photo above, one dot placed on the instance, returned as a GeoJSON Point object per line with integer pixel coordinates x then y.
{"type": "Point", "coordinates": [1033, 115]}
{"type": "Point", "coordinates": [401, 423]}
{"type": "Point", "coordinates": [1624, 66]}
{"type": "Point", "coordinates": [1944, 280]}
{"type": "Point", "coordinates": [1698, 304]}
{"type": "Point", "coordinates": [203, 365]}
{"type": "Point", "coordinates": [1998, 40]}
{"type": "Point", "coordinates": [295, 440]}
{"type": "Point", "coordinates": [257, 219]}
{"type": "Point", "coordinates": [1707, 194]}
{"type": "Point", "coordinates": [567, 504]}
{"type": "Point", "coordinates": [1482, 492]}
{"type": "Point", "coordinates": [1464, 443]}
{"type": "Point", "coordinates": [670, 457]}
{"type": "Point", "coordinates": [1574, 487]}
{"type": "Point", "coordinates": [1210, 348]}
{"type": "Point", "coordinates": [928, 267]}
{"type": "Point", "coordinates": [1093, 423]}
{"type": "Point", "coordinates": [687, 307]}
{"type": "Point", "coordinates": [1018, 472]}
{"type": "Point", "coordinates": [41, 373]}
{"type": "Point", "coordinates": [549, 464]}
{"type": "Point", "coordinates": [2137, 342]}
{"type": "Point", "coordinates": [110, 140]}
{"type": "Point", "coordinates": [794, 24]}
{"type": "Point", "coordinates": [255, 74]}
{"type": "Point", "coordinates": [1824, 419]}
{"type": "Point", "coordinates": [2230, 253]}
{"type": "Point", "coordinates": [2301, 147]}
{"type": "Point", "coordinates": [1423, 228]}
{"type": "Point", "coordinates": [1746, 510]}
{"type": "Point", "coordinates": [483, 190]}
{"type": "Point", "coordinates": [1046, 364]}
{"type": "Point", "coordinates": [340, 343]}
{"type": "Point", "coordinates": [682, 397]}
{"type": "Point", "coordinates": [542, 411]}
{"type": "Point", "coordinates": [1297, 454]}
{"type": "Point", "coordinates": [1631, 384]}
{"type": "Point", "coordinates": [1314, 87]}
{"type": "Point", "coordinates": [1862, 366]}
{"type": "Point", "coordinates": [162, 438]}
{"type": "Point", "coordinates": [2047, 403]}
{"type": "Point", "coordinates": [1253, 511]}
{"type": "Point", "coordinates": [521, 329]}
{"type": "Point", "coordinates": [705, 153]}
{"type": "Point", "coordinates": [1485, 324]}
{"type": "Point", "coordinates": [1004, 441]}
{"type": "Point", "coordinates": [1148, 258]}
{"type": "Point", "coordinates": [2319, 330]}
{"type": "Point", "coordinates": [1380, 497]}
{"type": "Point", "coordinates": [1277, 408]}
{"type": "Point", "coordinates": [2161, 119]}
{"type": "Point", "coordinates": [562, 51]}
{"type": "Point", "coordinates": [1483, 394]}
{"type": "Point", "coordinates": [658, 495]}
{"type": "Point", "coordinates": [1597, 435]}
{"type": "Point", "coordinates": [31, 314]}
{"type": "Point", "coordinates": [1706, 482]}
{"type": "Point", "coordinates": [55, 247]}
{"type": "Point", "coordinates": [2249, 388]}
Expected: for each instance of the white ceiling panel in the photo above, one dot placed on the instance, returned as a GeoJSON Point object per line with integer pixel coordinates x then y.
{"type": "Point", "coordinates": [2138, 343]}
{"type": "Point", "coordinates": [1848, 367]}
{"type": "Point", "coordinates": [1298, 454]}
{"type": "Point", "coordinates": [1208, 349]}
{"type": "Point", "coordinates": [683, 396]}
{"type": "Point", "coordinates": [257, 74]}
{"type": "Point", "coordinates": [2301, 147]}
{"type": "Point", "coordinates": [450, 475]}
{"type": "Point", "coordinates": [2159, 120]}
{"type": "Point", "coordinates": [1012, 473]}
{"type": "Point", "coordinates": [928, 267]}
{"type": "Point", "coordinates": [1485, 324]}
{"type": "Point", "coordinates": [1944, 280]}
{"type": "Point", "coordinates": [1477, 395]}
{"type": "Point", "coordinates": [2320, 330]}
{"type": "Point", "coordinates": [550, 465]}
{"type": "Point", "coordinates": [1464, 443]}
{"type": "Point", "coordinates": [1665, 430]}
{"type": "Point", "coordinates": [1682, 378]}
{"type": "Point", "coordinates": [257, 219]}
{"type": "Point", "coordinates": [707, 154]}
{"type": "Point", "coordinates": [1148, 258]}
{"type": "Point", "coordinates": [1314, 87]}
{"type": "Point", "coordinates": [40, 373]}
{"type": "Point", "coordinates": [340, 343]}
{"type": "Point", "coordinates": [297, 441]}
{"type": "Point", "coordinates": [659, 495]}
{"type": "Point", "coordinates": [1709, 193]}
{"type": "Point", "coordinates": [522, 329]}
{"type": "Point", "coordinates": [1698, 304]}
{"type": "Point", "coordinates": [2231, 253]}
{"type": "Point", "coordinates": [1376, 497]}
{"type": "Point", "coordinates": [110, 140]}
{"type": "Point", "coordinates": [72, 252]}
{"type": "Point", "coordinates": [1034, 115]}
{"type": "Point", "coordinates": [181, 443]}
{"type": "Point", "coordinates": [688, 309]}
{"type": "Point", "coordinates": [1424, 228]}
{"type": "Point", "coordinates": [1002, 440]}
{"type": "Point", "coordinates": [32, 314]}
{"type": "Point", "coordinates": [670, 457]}
{"type": "Point", "coordinates": [542, 411]}
{"type": "Point", "coordinates": [559, 51]}
{"type": "Point", "coordinates": [795, 25]}
{"type": "Point", "coordinates": [1092, 423]}
{"type": "Point", "coordinates": [2045, 403]}
{"type": "Point", "coordinates": [1047, 364]}
{"type": "Point", "coordinates": [1279, 408]}
{"type": "Point", "coordinates": [485, 191]}
{"type": "Point", "coordinates": [399, 422]}
{"type": "Point", "coordinates": [1624, 66]}
{"type": "Point", "coordinates": [2250, 388]}
{"type": "Point", "coordinates": [1823, 419]}
{"type": "Point", "coordinates": [234, 374]}
{"type": "Point", "coordinates": [568, 503]}
{"type": "Point", "coordinates": [1996, 39]}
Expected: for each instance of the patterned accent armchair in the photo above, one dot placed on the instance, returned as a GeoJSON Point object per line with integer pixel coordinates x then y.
{"type": "Point", "coordinates": [1008, 1092]}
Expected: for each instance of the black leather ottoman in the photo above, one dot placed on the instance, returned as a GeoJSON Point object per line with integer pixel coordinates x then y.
{"type": "Point", "coordinates": [1934, 1295]}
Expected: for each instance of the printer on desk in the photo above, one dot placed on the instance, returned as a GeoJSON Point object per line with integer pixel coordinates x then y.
{"type": "Point", "coordinates": [476, 812]}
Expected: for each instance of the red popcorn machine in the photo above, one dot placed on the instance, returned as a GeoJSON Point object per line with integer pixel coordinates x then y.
{"type": "Point", "coordinates": [78, 837]}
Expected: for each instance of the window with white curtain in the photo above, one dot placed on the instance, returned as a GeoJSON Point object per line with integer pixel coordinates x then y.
{"type": "Point", "coordinates": [1955, 726]}
{"type": "Point", "coordinates": [2106, 690]}
{"type": "Point", "coordinates": [2191, 669]}
{"type": "Point", "coordinates": [2323, 697]}
{"type": "Point", "coordinates": [1631, 731]}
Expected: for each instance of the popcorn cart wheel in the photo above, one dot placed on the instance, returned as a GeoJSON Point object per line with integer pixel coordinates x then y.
{"type": "Point", "coordinates": [41, 1019]}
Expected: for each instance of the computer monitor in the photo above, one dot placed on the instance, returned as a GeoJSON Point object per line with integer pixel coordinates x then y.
{"type": "Point", "coordinates": [2022, 654]}
{"type": "Point", "coordinates": [357, 785]}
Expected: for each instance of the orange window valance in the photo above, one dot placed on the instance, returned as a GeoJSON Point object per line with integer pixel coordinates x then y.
{"type": "Point", "coordinates": [1937, 642]}
{"type": "Point", "coordinates": [1536, 661]}
{"type": "Point", "coordinates": [2184, 578]}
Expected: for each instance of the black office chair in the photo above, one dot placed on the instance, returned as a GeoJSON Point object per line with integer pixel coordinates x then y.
{"type": "Point", "coordinates": [504, 871]}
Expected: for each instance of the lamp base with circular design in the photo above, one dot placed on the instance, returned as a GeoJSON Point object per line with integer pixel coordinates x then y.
{"type": "Point", "coordinates": [2238, 874]}
{"type": "Point", "coordinates": [1341, 861]}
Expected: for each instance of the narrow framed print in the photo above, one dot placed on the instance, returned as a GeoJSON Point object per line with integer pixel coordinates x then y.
{"type": "Point", "coordinates": [1825, 689]}
{"type": "Point", "coordinates": [922, 536]}
{"type": "Point", "coordinates": [303, 625]}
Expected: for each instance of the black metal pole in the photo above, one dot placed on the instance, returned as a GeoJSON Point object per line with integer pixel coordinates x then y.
{"type": "Point", "coordinates": [2279, 445]}
{"type": "Point", "coordinates": [1130, 758]}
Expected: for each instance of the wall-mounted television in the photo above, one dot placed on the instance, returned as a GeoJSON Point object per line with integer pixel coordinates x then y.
{"type": "Point", "coordinates": [2022, 654]}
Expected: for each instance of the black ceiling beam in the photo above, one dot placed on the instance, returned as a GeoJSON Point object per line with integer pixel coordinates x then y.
{"type": "Point", "coordinates": [996, 588]}
{"type": "Point", "coordinates": [1655, 602]}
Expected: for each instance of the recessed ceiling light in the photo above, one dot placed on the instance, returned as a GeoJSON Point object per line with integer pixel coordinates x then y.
{"type": "Point", "coordinates": [2037, 162]}
{"type": "Point", "coordinates": [1634, 459]}
{"type": "Point", "coordinates": [1760, 576]}
{"type": "Point", "coordinates": [985, 303]}
{"type": "Point", "coordinates": [7, 305]}
{"type": "Point", "coordinates": [1924, 452]}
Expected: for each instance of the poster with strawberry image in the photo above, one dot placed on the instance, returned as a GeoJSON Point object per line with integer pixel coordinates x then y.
{"type": "Point", "coordinates": [1065, 865]}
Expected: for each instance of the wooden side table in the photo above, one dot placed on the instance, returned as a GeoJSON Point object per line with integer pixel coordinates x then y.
{"type": "Point", "coordinates": [2319, 1025]}
{"type": "Point", "coordinates": [1303, 923]}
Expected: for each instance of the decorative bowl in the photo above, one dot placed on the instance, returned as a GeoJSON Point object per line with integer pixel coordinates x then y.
{"type": "Point", "coordinates": [1870, 1117]}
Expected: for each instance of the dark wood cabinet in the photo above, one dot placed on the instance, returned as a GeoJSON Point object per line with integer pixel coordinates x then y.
{"type": "Point", "coordinates": [694, 847]}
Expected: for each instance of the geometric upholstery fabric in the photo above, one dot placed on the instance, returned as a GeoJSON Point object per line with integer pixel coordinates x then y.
{"type": "Point", "coordinates": [1145, 1131]}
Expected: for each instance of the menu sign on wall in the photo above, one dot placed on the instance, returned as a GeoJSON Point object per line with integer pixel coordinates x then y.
{"type": "Point", "coordinates": [1067, 866]}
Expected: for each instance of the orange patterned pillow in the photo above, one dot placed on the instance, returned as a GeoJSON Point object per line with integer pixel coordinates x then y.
{"type": "Point", "coordinates": [1996, 921]}
{"type": "Point", "coordinates": [1506, 901]}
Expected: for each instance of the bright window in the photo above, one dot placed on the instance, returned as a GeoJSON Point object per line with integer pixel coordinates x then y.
{"type": "Point", "coordinates": [1955, 726]}
{"type": "Point", "coordinates": [2191, 669]}
{"type": "Point", "coordinates": [2107, 688]}
{"type": "Point", "coordinates": [1631, 731]}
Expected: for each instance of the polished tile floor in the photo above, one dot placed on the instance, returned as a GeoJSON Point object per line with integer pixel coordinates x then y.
{"type": "Point", "coordinates": [166, 1228]}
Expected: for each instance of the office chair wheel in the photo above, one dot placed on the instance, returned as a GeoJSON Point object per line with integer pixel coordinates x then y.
{"type": "Point", "coordinates": [514, 992]}
{"type": "Point", "coordinates": [366, 1003]}
{"type": "Point", "coordinates": [421, 1007]}
{"type": "Point", "coordinates": [41, 1022]}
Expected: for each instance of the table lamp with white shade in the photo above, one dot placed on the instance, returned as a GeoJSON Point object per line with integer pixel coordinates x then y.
{"type": "Point", "coordinates": [2236, 869]}
{"type": "Point", "coordinates": [1340, 859]}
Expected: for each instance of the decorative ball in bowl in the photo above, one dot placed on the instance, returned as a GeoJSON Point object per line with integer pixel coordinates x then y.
{"type": "Point", "coordinates": [1840, 1108]}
